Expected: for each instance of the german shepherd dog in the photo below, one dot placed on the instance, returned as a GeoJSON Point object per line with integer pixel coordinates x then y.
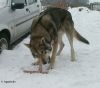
{"type": "Point", "coordinates": [46, 34]}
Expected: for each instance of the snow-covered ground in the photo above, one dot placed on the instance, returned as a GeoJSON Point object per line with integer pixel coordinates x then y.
{"type": "Point", "coordinates": [84, 73]}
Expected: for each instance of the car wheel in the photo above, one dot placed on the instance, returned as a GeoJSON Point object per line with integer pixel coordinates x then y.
{"type": "Point", "coordinates": [4, 42]}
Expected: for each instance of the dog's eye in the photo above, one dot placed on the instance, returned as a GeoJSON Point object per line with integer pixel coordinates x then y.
{"type": "Point", "coordinates": [43, 52]}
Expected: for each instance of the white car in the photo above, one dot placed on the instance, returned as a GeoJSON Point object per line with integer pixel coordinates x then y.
{"type": "Point", "coordinates": [15, 19]}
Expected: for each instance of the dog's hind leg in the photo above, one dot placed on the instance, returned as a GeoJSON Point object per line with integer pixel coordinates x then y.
{"type": "Point", "coordinates": [61, 44]}
{"type": "Point", "coordinates": [70, 35]}
{"type": "Point", "coordinates": [72, 49]}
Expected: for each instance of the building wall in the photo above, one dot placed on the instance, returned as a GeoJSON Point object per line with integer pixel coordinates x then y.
{"type": "Point", "coordinates": [71, 2]}
{"type": "Point", "coordinates": [95, 6]}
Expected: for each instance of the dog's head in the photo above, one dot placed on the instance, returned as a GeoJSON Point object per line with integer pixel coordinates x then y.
{"type": "Point", "coordinates": [40, 48]}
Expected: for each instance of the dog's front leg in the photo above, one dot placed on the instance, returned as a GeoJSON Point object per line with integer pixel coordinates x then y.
{"type": "Point", "coordinates": [54, 52]}
{"type": "Point", "coordinates": [40, 65]}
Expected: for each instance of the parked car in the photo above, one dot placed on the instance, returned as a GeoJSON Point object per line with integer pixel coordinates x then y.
{"type": "Point", "coordinates": [15, 19]}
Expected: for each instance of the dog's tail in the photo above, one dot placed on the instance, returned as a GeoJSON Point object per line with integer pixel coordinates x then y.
{"type": "Point", "coordinates": [80, 38]}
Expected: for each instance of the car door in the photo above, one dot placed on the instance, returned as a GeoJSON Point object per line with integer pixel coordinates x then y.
{"type": "Point", "coordinates": [21, 17]}
{"type": "Point", "coordinates": [34, 8]}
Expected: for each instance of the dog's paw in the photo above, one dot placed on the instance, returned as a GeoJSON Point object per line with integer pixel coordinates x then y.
{"type": "Point", "coordinates": [35, 63]}
{"type": "Point", "coordinates": [50, 67]}
{"type": "Point", "coordinates": [73, 59]}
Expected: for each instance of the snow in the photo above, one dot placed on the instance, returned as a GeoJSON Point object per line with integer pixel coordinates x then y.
{"type": "Point", "coordinates": [84, 73]}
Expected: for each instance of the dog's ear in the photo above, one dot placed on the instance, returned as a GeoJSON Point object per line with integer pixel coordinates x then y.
{"type": "Point", "coordinates": [27, 45]}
